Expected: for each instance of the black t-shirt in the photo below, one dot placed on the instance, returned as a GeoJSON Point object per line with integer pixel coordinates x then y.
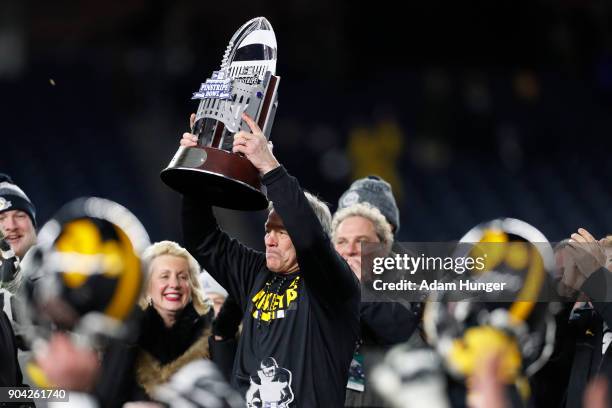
{"type": "Point", "coordinates": [303, 325]}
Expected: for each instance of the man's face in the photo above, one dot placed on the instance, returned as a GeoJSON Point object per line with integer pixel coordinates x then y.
{"type": "Point", "coordinates": [351, 233]}
{"type": "Point", "coordinates": [348, 237]}
{"type": "Point", "coordinates": [18, 231]}
{"type": "Point", "coordinates": [280, 252]}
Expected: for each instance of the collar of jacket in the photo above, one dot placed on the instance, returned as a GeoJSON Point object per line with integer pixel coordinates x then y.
{"type": "Point", "coordinates": [165, 350]}
{"type": "Point", "coordinates": [167, 343]}
{"type": "Point", "coordinates": [150, 373]}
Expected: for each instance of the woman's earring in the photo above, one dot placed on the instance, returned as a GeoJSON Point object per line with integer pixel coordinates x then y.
{"type": "Point", "coordinates": [150, 300]}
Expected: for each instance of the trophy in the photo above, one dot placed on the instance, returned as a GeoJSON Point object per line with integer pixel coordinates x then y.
{"type": "Point", "coordinates": [246, 83]}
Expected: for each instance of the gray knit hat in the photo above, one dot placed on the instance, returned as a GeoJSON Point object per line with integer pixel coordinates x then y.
{"type": "Point", "coordinates": [13, 198]}
{"type": "Point", "coordinates": [375, 191]}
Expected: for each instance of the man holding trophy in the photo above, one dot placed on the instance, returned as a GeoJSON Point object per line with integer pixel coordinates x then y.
{"type": "Point", "coordinates": [300, 298]}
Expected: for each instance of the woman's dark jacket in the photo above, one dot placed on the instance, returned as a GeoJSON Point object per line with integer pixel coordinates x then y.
{"type": "Point", "coordinates": [162, 351]}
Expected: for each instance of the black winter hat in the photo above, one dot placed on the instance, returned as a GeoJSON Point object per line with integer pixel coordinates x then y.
{"type": "Point", "coordinates": [13, 198]}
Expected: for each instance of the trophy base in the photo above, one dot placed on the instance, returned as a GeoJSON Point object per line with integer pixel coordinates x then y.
{"type": "Point", "coordinates": [223, 179]}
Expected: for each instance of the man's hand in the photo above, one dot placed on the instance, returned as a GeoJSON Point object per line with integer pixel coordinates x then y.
{"type": "Point", "coordinates": [255, 147]}
{"type": "Point", "coordinates": [68, 366]}
{"type": "Point", "coordinates": [486, 390]}
{"type": "Point", "coordinates": [189, 139]}
{"type": "Point", "coordinates": [596, 394]}
{"type": "Point", "coordinates": [571, 277]}
{"type": "Point", "coordinates": [586, 252]}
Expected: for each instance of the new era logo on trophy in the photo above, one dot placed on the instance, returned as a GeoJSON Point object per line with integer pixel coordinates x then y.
{"type": "Point", "coordinates": [245, 83]}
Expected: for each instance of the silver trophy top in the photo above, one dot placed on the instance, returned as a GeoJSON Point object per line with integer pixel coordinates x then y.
{"type": "Point", "coordinates": [251, 52]}
{"type": "Point", "coordinates": [241, 84]}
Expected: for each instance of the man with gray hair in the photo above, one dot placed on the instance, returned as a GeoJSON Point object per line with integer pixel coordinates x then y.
{"type": "Point", "coordinates": [358, 224]}
{"type": "Point", "coordinates": [367, 213]}
{"type": "Point", "coordinates": [300, 298]}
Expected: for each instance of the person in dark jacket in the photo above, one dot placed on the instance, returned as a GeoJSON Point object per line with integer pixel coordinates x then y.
{"type": "Point", "coordinates": [383, 324]}
{"type": "Point", "coordinates": [176, 323]}
{"type": "Point", "coordinates": [402, 320]}
{"type": "Point", "coordinates": [586, 333]}
{"type": "Point", "coordinates": [300, 298]}
{"type": "Point", "coordinates": [10, 372]}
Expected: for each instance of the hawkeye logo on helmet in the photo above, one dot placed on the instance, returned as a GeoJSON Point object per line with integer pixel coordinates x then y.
{"type": "Point", "coordinates": [5, 204]}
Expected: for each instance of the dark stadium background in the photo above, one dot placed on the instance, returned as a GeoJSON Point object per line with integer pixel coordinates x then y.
{"type": "Point", "coordinates": [472, 109]}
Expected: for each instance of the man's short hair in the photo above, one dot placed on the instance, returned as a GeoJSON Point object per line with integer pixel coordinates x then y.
{"type": "Point", "coordinates": [320, 209]}
{"type": "Point", "coordinates": [381, 225]}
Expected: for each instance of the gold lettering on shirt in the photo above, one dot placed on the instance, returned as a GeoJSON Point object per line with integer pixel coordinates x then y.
{"type": "Point", "coordinates": [270, 306]}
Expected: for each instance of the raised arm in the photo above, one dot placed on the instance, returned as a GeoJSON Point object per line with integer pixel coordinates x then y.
{"type": "Point", "coordinates": [323, 270]}
{"type": "Point", "coordinates": [591, 274]}
{"type": "Point", "coordinates": [232, 264]}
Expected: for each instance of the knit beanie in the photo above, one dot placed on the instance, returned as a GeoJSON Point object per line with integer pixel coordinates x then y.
{"type": "Point", "coordinates": [376, 192]}
{"type": "Point", "coordinates": [13, 198]}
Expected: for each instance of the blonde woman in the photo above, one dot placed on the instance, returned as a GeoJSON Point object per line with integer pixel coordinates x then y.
{"type": "Point", "coordinates": [177, 318]}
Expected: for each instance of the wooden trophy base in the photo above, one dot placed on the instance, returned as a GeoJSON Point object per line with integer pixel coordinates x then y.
{"type": "Point", "coordinates": [223, 179]}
